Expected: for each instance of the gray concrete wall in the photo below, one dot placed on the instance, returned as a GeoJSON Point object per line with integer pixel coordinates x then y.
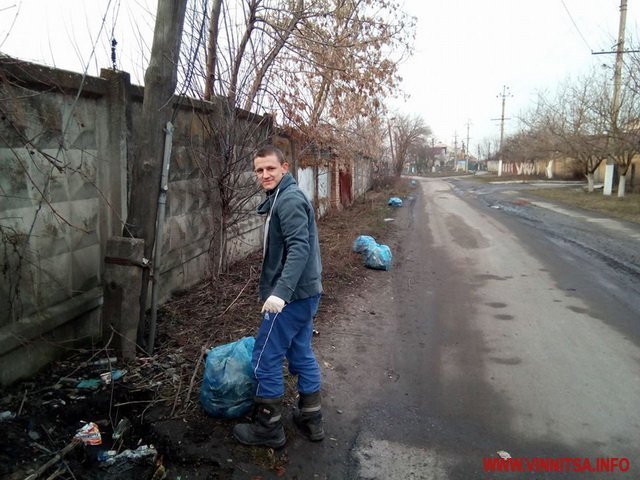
{"type": "Point", "coordinates": [363, 176]}
{"type": "Point", "coordinates": [54, 211]}
{"type": "Point", "coordinates": [63, 188]}
{"type": "Point", "coordinates": [562, 168]}
{"type": "Point", "coordinates": [66, 146]}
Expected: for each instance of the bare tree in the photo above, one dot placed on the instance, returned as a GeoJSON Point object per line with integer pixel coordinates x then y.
{"type": "Point", "coordinates": [243, 41]}
{"type": "Point", "coordinates": [623, 135]}
{"type": "Point", "coordinates": [340, 66]}
{"type": "Point", "coordinates": [320, 67]}
{"type": "Point", "coordinates": [408, 132]}
{"type": "Point", "coordinates": [422, 155]}
{"type": "Point", "coordinates": [569, 124]}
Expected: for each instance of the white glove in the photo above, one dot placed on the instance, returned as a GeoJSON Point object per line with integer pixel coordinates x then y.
{"type": "Point", "coordinates": [273, 304]}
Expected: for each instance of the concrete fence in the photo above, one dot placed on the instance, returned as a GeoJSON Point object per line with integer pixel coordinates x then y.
{"type": "Point", "coordinates": [564, 168]}
{"type": "Point", "coordinates": [65, 166]}
{"type": "Point", "coordinates": [556, 168]}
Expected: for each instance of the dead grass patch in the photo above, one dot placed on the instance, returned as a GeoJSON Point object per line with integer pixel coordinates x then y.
{"type": "Point", "coordinates": [626, 208]}
{"type": "Point", "coordinates": [488, 178]}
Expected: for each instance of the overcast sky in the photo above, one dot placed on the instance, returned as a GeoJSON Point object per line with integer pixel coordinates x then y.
{"type": "Point", "coordinates": [465, 50]}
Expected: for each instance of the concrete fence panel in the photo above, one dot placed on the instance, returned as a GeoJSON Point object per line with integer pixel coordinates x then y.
{"type": "Point", "coordinates": [66, 146]}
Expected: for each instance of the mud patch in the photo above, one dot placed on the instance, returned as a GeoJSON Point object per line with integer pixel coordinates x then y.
{"type": "Point", "coordinates": [578, 309]}
{"type": "Point", "coordinates": [503, 316]}
{"type": "Point", "coordinates": [496, 304]}
{"type": "Point", "coordinates": [488, 276]}
{"type": "Point", "coordinates": [464, 235]}
{"type": "Point", "coordinates": [506, 361]}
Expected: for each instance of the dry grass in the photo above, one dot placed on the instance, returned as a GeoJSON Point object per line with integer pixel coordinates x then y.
{"type": "Point", "coordinates": [626, 208]}
{"type": "Point", "coordinates": [488, 178]}
{"type": "Point", "coordinates": [226, 308]}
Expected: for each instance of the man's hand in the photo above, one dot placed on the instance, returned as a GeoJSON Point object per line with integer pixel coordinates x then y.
{"type": "Point", "coordinates": [273, 304]}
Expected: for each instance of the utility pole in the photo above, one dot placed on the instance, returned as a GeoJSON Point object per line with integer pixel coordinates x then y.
{"type": "Point", "coordinates": [503, 95]}
{"type": "Point", "coordinates": [393, 162]}
{"type": "Point", "coordinates": [466, 152]}
{"type": "Point", "coordinates": [617, 75]}
{"type": "Point", "coordinates": [455, 151]}
{"type": "Point", "coordinates": [615, 106]}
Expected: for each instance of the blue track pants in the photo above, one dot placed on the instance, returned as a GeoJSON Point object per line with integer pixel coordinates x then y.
{"type": "Point", "coordinates": [286, 334]}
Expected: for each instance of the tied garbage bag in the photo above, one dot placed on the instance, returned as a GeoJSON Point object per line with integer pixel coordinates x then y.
{"type": "Point", "coordinates": [394, 202]}
{"type": "Point", "coordinates": [228, 385]}
{"type": "Point", "coordinates": [379, 257]}
{"type": "Point", "coordinates": [363, 243]}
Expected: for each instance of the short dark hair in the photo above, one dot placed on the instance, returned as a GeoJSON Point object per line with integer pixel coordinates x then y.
{"type": "Point", "coordinates": [270, 150]}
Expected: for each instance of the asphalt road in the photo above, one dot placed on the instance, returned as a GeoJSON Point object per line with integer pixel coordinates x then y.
{"type": "Point", "coordinates": [504, 325]}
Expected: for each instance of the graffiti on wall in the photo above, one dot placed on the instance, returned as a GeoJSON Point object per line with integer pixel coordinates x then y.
{"type": "Point", "coordinates": [523, 168]}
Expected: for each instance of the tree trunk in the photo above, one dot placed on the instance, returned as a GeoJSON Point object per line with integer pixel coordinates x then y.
{"type": "Point", "coordinates": [622, 185]}
{"type": "Point", "coordinates": [160, 84]}
{"type": "Point", "coordinates": [282, 40]}
{"type": "Point", "coordinates": [590, 182]}
{"type": "Point", "coordinates": [212, 49]}
{"type": "Point", "coordinates": [232, 93]}
{"type": "Point", "coordinates": [319, 101]}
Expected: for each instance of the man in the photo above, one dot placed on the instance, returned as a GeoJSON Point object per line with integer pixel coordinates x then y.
{"type": "Point", "coordinates": [290, 286]}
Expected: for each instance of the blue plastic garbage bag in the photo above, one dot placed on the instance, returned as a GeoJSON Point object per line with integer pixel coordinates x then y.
{"type": "Point", "coordinates": [228, 386]}
{"type": "Point", "coordinates": [379, 257]}
{"type": "Point", "coordinates": [363, 243]}
{"type": "Point", "coordinates": [395, 202]}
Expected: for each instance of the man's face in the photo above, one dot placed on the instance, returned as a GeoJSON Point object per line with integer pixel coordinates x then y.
{"type": "Point", "coordinates": [269, 171]}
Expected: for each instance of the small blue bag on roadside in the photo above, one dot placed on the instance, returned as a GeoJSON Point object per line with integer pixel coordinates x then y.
{"type": "Point", "coordinates": [395, 202]}
{"type": "Point", "coordinates": [363, 243]}
{"type": "Point", "coordinates": [379, 257]}
{"type": "Point", "coordinates": [228, 384]}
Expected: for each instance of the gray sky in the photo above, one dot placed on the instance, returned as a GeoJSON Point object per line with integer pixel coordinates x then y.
{"type": "Point", "coordinates": [465, 50]}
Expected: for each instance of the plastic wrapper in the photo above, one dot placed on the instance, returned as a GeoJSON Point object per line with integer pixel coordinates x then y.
{"type": "Point", "coordinates": [228, 385]}
{"type": "Point", "coordinates": [114, 375]}
{"type": "Point", "coordinates": [142, 454]}
{"type": "Point", "coordinates": [363, 243]}
{"type": "Point", "coordinates": [379, 257]}
{"type": "Point", "coordinates": [89, 434]}
{"type": "Point", "coordinates": [395, 202]}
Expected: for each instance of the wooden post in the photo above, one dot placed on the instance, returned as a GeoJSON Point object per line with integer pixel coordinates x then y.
{"type": "Point", "coordinates": [122, 283]}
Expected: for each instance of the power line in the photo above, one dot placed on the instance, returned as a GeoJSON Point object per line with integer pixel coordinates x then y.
{"type": "Point", "coordinates": [576, 26]}
{"type": "Point", "coordinates": [15, 17]}
{"type": "Point", "coordinates": [2, 9]}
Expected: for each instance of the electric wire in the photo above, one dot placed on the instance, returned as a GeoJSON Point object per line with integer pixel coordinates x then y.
{"type": "Point", "coordinates": [576, 25]}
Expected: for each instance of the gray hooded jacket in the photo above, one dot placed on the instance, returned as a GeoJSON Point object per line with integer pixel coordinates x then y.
{"type": "Point", "coordinates": [291, 267]}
